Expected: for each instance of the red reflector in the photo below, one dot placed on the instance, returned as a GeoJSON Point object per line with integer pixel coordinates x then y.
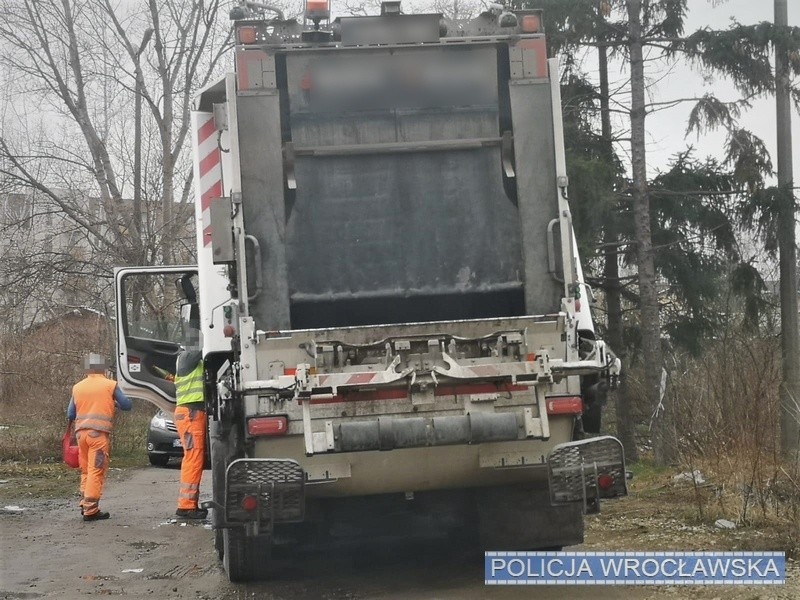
{"type": "Point", "coordinates": [530, 357]}
{"type": "Point", "coordinates": [249, 503]}
{"type": "Point", "coordinates": [292, 371]}
{"type": "Point", "coordinates": [530, 24]}
{"type": "Point", "coordinates": [569, 405]}
{"type": "Point", "coordinates": [267, 426]}
{"type": "Point", "coordinates": [605, 481]}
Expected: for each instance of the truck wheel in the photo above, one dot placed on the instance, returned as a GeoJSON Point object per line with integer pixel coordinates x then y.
{"type": "Point", "coordinates": [245, 558]}
{"type": "Point", "coordinates": [522, 518]}
{"type": "Point", "coordinates": [591, 418]}
{"type": "Point", "coordinates": [219, 543]}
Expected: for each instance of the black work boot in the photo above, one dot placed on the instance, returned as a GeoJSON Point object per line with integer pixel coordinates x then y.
{"type": "Point", "coordinates": [98, 516]}
{"type": "Point", "coordinates": [192, 513]}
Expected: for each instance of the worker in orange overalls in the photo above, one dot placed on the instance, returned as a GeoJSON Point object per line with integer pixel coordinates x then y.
{"type": "Point", "coordinates": [91, 418]}
{"type": "Point", "coordinates": [191, 423]}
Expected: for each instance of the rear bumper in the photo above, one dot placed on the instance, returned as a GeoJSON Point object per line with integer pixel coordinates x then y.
{"type": "Point", "coordinates": [278, 487]}
{"type": "Point", "coordinates": [420, 468]}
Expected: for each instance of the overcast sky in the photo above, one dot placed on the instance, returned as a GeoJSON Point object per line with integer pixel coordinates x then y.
{"type": "Point", "coordinates": [666, 129]}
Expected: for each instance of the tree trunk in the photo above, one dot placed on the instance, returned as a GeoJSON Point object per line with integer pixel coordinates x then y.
{"type": "Point", "coordinates": [137, 160]}
{"type": "Point", "coordinates": [664, 449]}
{"type": "Point", "coordinates": [790, 352]}
{"type": "Point", "coordinates": [625, 420]}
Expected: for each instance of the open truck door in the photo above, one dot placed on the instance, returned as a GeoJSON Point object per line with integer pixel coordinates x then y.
{"type": "Point", "coordinates": [154, 307]}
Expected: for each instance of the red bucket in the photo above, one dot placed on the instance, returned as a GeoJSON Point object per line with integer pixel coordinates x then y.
{"type": "Point", "coordinates": [69, 452]}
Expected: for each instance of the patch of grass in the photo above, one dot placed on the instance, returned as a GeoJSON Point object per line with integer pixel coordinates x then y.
{"type": "Point", "coordinates": [129, 442]}
{"type": "Point", "coordinates": [45, 481]}
{"type": "Point", "coordinates": [30, 453]}
{"type": "Point", "coordinates": [33, 439]}
{"type": "Point", "coordinates": [646, 472]}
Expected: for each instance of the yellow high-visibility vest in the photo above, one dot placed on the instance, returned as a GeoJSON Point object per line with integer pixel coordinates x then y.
{"type": "Point", "coordinates": [189, 388]}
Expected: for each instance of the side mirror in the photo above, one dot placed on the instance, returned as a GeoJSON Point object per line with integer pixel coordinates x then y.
{"type": "Point", "coordinates": [190, 317]}
{"type": "Point", "coordinates": [186, 289]}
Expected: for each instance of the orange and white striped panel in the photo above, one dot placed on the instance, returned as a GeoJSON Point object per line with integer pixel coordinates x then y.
{"type": "Point", "coordinates": [209, 170]}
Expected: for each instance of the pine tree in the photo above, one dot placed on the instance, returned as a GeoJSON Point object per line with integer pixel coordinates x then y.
{"type": "Point", "coordinates": [739, 52]}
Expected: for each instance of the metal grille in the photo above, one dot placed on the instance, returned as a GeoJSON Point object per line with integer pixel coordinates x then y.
{"type": "Point", "coordinates": [277, 484]}
{"type": "Point", "coordinates": [574, 469]}
{"type": "Point", "coordinates": [171, 425]}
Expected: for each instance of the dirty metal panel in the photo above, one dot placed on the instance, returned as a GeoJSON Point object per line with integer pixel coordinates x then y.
{"type": "Point", "coordinates": [398, 29]}
{"type": "Point", "coordinates": [397, 225]}
{"type": "Point", "coordinates": [221, 231]}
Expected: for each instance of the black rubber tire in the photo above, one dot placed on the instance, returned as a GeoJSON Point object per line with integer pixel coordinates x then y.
{"type": "Point", "coordinates": [592, 418]}
{"type": "Point", "coordinates": [245, 558]}
{"type": "Point", "coordinates": [158, 460]}
{"type": "Point", "coordinates": [219, 543]}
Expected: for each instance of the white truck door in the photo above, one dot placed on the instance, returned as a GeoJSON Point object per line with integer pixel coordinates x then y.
{"type": "Point", "coordinates": [154, 307]}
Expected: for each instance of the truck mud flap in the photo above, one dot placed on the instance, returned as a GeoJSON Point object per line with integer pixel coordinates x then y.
{"type": "Point", "coordinates": [586, 471]}
{"type": "Point", "coordinates": [276, 486]}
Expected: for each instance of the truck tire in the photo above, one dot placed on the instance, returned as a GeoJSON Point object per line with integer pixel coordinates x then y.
{"type": "Point", "coordinates": [522, 518]}
{"type": "Point", "coordinates": [219, 543]}
{"type": "Point", "coordinates": [592, 418]}
{"type": "Point", "coordinates": [245, 558]}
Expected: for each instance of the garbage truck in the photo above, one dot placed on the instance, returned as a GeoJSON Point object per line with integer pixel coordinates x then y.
{"type": "Point", "coordinates": [396, 332]}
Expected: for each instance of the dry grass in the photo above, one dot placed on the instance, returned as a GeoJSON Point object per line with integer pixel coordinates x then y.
{"type": "Point", "coordinates": [40, 369]}
{"type": "Point", "coordinates": [660, 514]}
{"type": "Point", "coordinates": [33, 439]}
{"type": "Point", "coordinates": [727, 409]}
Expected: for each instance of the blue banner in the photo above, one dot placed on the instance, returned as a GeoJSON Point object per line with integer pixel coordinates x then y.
{"type": "Point", "coordinates": [635, 568]}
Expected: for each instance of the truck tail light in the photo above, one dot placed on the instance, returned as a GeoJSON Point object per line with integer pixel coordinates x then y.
{"type": "Point", "coordinates": [318, 9]}
{"type": "Point", "coordinates": [605, 481]}
{"type": "Point", "coordinates": [567, 405]}
{"type": "Point", "coordinates": [247, 35]}
{"type": "Point", "coordinates": [249, 503]}
{"type": "Point", "coordinates": [267, 426]}
{"type": "Point", "coordinates": [531, 23]}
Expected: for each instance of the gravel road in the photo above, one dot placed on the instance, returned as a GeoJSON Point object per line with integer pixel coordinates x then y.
{"type": "Point", "coordinates": [47, 551]}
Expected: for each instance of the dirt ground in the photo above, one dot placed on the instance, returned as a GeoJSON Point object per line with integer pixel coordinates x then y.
{"type": "Point", "coordinates": [48, 552]}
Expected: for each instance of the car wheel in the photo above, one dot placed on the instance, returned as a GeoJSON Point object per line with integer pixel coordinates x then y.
{"type": "Point", "coordinates": [158, 460]}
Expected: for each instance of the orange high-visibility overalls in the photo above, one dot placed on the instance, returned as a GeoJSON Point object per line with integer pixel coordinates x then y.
{"type": "Point", "coordinates": [191, 423]}
{"type": "Point", "coordinates": [94, 419]}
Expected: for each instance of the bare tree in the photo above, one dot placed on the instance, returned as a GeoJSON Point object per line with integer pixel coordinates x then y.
{"type": "Point", "coordinates": [74, 70]}
{"type": "Point", "coordinates": [188, 45]}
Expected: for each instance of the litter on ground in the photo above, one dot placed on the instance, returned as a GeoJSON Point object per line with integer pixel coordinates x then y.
{"type": "Point", "coordinates": [724, 524]}
{"type": "Point", "coordinates": [692, 477]}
